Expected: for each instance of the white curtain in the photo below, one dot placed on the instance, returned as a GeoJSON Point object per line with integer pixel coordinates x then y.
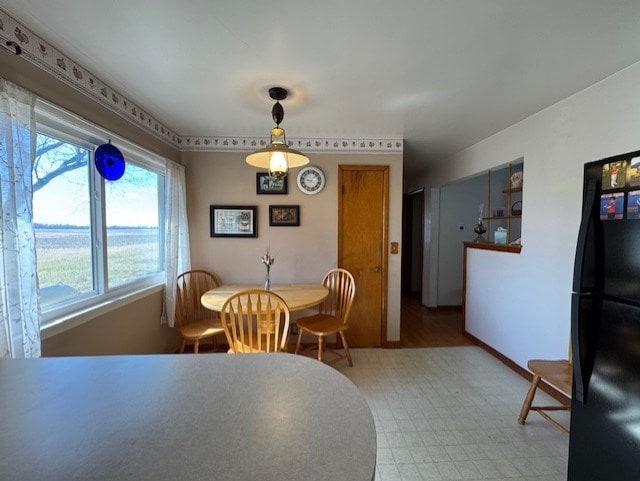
{"type": "Point", "coordinates": [19, 305]}
{"type": "Point", "coordinates": [178, 256]}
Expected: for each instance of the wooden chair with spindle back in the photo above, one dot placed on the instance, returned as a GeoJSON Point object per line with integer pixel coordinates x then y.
{"type": "Point", "coordinates": [255, 320]}
{"type": "Point", "coordinates": [333, 315]}
{"type": "Point", "coordinates": [558, 374]}
{"type": "Point", "coordinates": [195, 322]}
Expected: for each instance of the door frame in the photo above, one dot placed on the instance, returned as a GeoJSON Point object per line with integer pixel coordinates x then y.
{"type": "Point", "coordinates": [408, 230]}
{"type": "Point", "coordinates": [385, 235]}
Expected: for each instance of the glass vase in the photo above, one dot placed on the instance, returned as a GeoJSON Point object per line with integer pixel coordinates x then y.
{"type": "Point", "coordinates": [480, 229]}
{"type": "Point", "coordinates": [267, 282]}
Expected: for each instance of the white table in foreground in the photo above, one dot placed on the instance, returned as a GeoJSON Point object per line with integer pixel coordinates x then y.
{"type": "Point", "coordinates": [297, 296]}
{"type": "Point", "coordinates": [196, 417]}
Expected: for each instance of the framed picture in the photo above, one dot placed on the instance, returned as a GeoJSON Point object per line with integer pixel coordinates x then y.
{"type": "Point", "coordinates": [633, 204]}
{"type": "Point", "coordinates": [234, 221]}
{"type": "Point", "coordinates": [284, 215]}
{"type": "Point", "coordinates": [633, 172]}
{"type": "Point", "coordinates": [265, 184]}
{"type": "Point", "coordinates": [614, 175]}
{"type": "Point", "coordinates": [612, 206]}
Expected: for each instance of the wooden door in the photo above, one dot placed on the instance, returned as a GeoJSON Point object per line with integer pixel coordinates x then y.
{"type": "Point", "coordinates": [363, 206]}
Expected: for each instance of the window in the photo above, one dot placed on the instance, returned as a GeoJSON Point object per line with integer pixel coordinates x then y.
{"type": "Point", "coordinates": [62, 220]}
{"type": "Point", "coordinates": [96, 240]}
{"type": "Point", "coordinates": [133, 228]}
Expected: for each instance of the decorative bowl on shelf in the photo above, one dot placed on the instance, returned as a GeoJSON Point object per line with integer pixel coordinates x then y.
{"type": "Point", "coordinates": [516, 208]}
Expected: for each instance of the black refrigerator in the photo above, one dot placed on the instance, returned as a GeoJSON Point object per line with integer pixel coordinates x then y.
{"type": "Point", "coordinates": [604, 441]}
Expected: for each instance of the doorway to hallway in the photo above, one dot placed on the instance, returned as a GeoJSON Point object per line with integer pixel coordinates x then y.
{"type": "Point", "coordinates": [413, 243]}
{"type": "Point", "coordinates": [419, 325]}
{"type": "Point", "coordinates": [424, 327]}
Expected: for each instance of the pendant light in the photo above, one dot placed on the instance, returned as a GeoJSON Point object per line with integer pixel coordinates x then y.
{"type": "Point", "coordinates": [277, 157]}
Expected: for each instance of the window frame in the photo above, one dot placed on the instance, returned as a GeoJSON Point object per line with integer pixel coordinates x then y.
{"type": "Point", "coordinates": [56, 122]}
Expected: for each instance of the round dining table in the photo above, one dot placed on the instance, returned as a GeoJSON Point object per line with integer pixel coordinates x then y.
{"type": "Point", "coordinates": [196, 417]}
{"type": "Point", "coordinates": [297, 296]}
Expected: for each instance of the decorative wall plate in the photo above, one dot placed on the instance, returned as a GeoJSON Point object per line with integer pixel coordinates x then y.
{"type": "Point", "coordinates": [109, 161]}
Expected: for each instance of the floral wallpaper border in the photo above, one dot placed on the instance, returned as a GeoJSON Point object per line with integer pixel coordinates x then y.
{"type": "Point", "coordinates": [45, 56]}
{"type": "Point", "coordinates": [231, 144]}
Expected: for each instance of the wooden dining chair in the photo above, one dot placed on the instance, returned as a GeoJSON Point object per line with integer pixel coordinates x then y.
{"type": "Point", "coordinates": [332, 317]}
{"type": "Point", "coordinates": [558, 374]}
{"type": "Point", "coordinates": [195, 322]}
{"type": "Point", "coordinates": [255, 320]}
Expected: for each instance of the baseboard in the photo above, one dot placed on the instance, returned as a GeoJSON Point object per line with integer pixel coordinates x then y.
{"type": "Point", "coordinates": [550, 390]}
{"type": "Point", "coordinates": [393, 345]}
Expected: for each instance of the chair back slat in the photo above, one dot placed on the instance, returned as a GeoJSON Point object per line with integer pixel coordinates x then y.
{"type": "Point", "coordinates": [242, 322]}
{"type": "Point", "coordinates": [190, 287]}
{"type": "Point", "coordinates": [342, 290]}
{"type": "Point", "coordinates": [256, 321]}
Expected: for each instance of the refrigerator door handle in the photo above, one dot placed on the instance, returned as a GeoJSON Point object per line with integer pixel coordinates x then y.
{"type": "Point", "coordinates": [579, 391]}
{"type": "Point", "coordinates": [590, 238]}
{"type": "Point", "coordinates": [589, 212]}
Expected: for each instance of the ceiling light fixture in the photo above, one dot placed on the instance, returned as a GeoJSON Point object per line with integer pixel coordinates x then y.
{"type": "Point", "coordinates": [277, 157]}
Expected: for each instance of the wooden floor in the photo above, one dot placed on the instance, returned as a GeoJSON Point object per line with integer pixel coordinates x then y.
{"type": "Point", "coordinates": [422, 327]}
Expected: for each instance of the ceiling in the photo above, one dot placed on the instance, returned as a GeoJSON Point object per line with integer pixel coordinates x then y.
{"type": "Point", "coordinates": [440, 74]}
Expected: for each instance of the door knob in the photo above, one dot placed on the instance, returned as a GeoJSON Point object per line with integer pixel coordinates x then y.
{"type": "Point", "coordinates": [377, 268]}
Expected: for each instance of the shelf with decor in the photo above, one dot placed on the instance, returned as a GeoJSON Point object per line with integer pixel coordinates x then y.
{"type": "Point", "coordinates": [504, 215]}
{"type": "Point", "coordinates": [511, 190]}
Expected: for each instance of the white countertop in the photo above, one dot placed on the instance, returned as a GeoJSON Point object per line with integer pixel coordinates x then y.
{"type": "Point", "coordinates": [192, 417]}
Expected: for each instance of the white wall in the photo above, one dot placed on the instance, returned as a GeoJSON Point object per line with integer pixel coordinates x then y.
{"type": "Point", "coordinates": [520, 304]}
{"type": "Point", "coordinates": [303, 254]}
{"type": "Point", "coordinates": [459, 203]}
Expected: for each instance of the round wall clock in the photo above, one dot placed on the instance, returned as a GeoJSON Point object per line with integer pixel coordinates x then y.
{"type": "Point", "coordinates": [310, 180]}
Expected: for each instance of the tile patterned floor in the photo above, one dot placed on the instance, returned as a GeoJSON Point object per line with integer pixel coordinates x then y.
{"type": "Point", "coordinates": [451, 414]}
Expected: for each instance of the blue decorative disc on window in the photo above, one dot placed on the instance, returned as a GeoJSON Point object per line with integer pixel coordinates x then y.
{"type": "Point", "coordinates": [109, 162]}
